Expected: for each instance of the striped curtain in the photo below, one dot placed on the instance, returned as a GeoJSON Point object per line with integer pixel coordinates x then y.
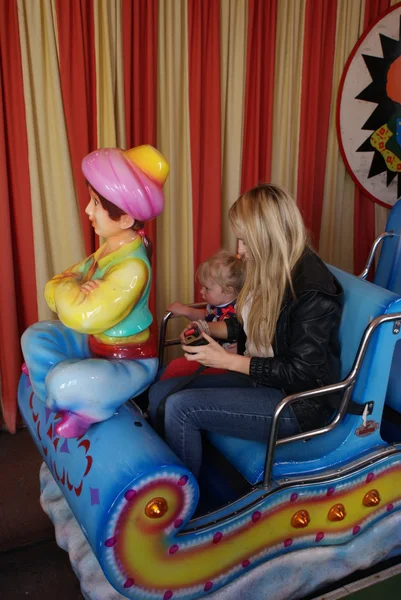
{"type": "Point", "coordinates": [233, 92]}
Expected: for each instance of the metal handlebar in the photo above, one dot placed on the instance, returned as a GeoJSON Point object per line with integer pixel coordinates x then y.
{"type": "Point", "coordinates": [163, 343]}
{"type": "Point", "coordinates": [372, 252]}
{"type": "Point", "coordinates": [347, 384]}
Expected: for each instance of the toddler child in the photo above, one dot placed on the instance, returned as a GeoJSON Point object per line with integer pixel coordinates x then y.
{"type": "Point", "coordinates": [221, 277]}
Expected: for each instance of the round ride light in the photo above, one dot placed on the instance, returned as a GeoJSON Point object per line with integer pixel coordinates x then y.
{"type": "Point", "coordinates": [301, 519]}
{"type": "Point", "coordinates": [156, 508]}
{"type": "Point", "coordinates": [372, 498]}
{"type": "Point", "coordinates": [337, 512]}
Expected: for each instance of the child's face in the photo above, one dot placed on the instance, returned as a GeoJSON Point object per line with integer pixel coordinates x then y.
{"type": "Point", "coordinates": [214, 294]}
{"type": "Point", "coordinates": [103, 225]}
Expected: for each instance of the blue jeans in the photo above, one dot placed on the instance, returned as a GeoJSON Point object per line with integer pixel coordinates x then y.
{"type": "Point", "coordinates": [229, 404]}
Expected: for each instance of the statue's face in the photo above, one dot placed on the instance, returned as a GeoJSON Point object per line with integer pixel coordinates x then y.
{"type": "Point", "coordinates": [103, 225]}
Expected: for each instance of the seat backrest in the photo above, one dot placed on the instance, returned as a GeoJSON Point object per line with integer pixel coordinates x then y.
{"type": "Point", "coordinates": [388, 271]}
{"type": "Point", "coordinates": [363, 302]}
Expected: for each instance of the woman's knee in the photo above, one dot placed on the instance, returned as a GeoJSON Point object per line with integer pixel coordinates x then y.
{"type": "Point", "coordinates": [180, 407]}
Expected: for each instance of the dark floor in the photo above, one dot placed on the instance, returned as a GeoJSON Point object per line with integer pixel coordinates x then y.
{"type": "Point", "coordinates": [380, 586]}
{"type": "Point", "coordinates": [22, 520]}
{"type": "Point", "coordinates": [38, 572]}
{"type": "Point", "coordinates": [31, 564]}
{"type": "Point", "coordinates": [390, 589]}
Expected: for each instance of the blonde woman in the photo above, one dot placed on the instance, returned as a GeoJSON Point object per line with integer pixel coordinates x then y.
{"type": "Point", "coordinates": [288, 315]}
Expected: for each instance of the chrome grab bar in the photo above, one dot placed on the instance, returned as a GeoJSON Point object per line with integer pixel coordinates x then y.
{"type": "Point", "coordinates": [372, 252]}
{"type": "Point", "coordinates": [347, 384]}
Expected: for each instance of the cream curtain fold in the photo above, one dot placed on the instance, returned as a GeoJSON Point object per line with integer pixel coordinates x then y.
{"type": "Point", "coordinates": [337, 230]}
{"type": "Point", "coordinates": [287, 93]}
{"type": "Point", "coordinates": [233, 28]}
{"type": "Point", "coordinates": [109, 74]}
{"type": "Point", "coordinates": [58, 236]}
{"type": "Point", "coordinates": [175, 273]}
{"type": "Point", "coordinates": [54, 16]}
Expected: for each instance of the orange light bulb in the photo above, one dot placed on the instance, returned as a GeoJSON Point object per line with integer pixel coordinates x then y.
{"type": "Point", "coordinates": [156, 508]}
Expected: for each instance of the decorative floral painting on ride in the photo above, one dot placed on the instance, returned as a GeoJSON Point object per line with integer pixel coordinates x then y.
{"type": "Point", "coordinates": [369, 110]}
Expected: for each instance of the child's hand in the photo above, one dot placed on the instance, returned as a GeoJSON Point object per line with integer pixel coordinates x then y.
{"type": "Point", "coordinates": [178, 310]}
{"type": "Point", "coordinates": [89, 286]}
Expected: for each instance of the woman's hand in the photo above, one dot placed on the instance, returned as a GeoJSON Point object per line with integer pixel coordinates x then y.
{"type": "Point", "coordinates": [209, 355]}
{"type": "Point", "coordinates": [213, 355]}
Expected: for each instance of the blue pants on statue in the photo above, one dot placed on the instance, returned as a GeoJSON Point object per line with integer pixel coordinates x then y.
{"type": "Point", "coordinates": [65, 376]}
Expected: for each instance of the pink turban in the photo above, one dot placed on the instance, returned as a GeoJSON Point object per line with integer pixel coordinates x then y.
{"type": "Point", "coordinates": [130, 179]}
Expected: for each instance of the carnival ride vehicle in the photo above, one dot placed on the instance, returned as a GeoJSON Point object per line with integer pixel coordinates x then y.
{"type": "Point", "coordinates": [273, 520]}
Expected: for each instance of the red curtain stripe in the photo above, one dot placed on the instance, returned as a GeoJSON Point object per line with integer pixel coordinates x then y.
{"type": "Point", "coordinates": [78, 85]}
{"type": "Point", "coordinates": [259, 93]}
{"type": "Point", "coordinates": [18, 307]}
{"type": "Point", "coordinates": [139, 31]}
{"type": "Point", "coordinates": [318, 60]}
{"type": "Point", "coordinates": [205, 126]}
{"type": "Point", "coordinates": [364, 208]}
{"type": "Point", "coordinates": [140, 70]}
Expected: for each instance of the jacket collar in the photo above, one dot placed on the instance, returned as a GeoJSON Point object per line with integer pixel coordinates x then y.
{"type": "Point", "coordinates": [311, 274]}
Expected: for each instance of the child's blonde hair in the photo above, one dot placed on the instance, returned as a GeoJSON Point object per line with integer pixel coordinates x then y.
{"type": "Point", "coordinates": [223, 268]}
{"type": "Point", "coordinates": [269, 223]}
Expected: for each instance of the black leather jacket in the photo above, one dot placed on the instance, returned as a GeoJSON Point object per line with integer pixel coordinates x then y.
{"type": "Point", "coordinates": [306, 346]}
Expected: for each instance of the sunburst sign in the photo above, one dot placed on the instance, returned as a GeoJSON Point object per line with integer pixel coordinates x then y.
{"type": "Point", "coordinates": [369, 110]}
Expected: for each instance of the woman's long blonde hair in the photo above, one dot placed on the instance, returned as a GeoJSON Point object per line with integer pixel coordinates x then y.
{"type": "Point", "coordinates": [269, 223]}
